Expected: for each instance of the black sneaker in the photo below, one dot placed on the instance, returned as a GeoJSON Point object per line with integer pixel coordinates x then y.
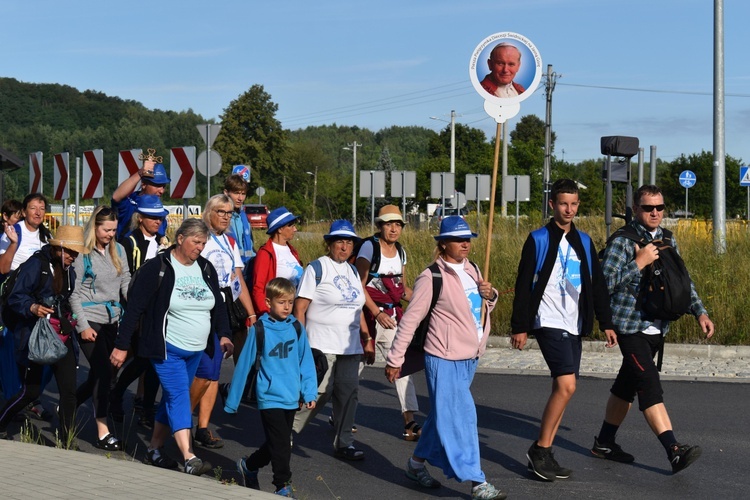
{"type": "Point", "coordinates": [560, 472]}
{"type": "Point", "coordinates": [540, 463]}
{"type": "Point", "coordinates": [197, 467]}
{"type": "Point", "coordinates": [204, 438]}
{"type": "Point", "coordinates": [682, 455]}
{"type": "Point", "coordinates": [611, 451]}
{"type": "Point", "coordinates": [157, 458]}
{"type": "Point", "coordinates": [108, 443]}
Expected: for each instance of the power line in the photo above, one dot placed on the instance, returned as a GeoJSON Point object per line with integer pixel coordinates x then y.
{"type": "Point", "coordinates": [655, 91]}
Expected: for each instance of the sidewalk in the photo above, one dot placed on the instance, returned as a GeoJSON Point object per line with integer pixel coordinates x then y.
{"type": "Point", "coordinates": [40, 472]}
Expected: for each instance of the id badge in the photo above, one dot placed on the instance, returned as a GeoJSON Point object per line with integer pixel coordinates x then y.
{"type": "Point", "coordinates": [571, 290]}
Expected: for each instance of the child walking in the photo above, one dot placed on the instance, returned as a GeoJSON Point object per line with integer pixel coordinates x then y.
{"type": "Point", "coordinates": [285, 358]}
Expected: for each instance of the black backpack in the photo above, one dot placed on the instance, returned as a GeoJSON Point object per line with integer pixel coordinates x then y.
{"type": "Point", "coordinates": [375, 262]}
{"type": "Point", "coordinates": [6, 287]}
{"type": "Point", "coordinates": [665, 283]}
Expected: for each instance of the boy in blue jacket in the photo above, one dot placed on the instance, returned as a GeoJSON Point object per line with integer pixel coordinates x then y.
{"type": "Point", "coordinates": [285, 381]}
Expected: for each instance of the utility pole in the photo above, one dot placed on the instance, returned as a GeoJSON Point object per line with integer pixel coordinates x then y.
{"type": "Point", "coordinates": [453, 138]}
{"type": "Point", "coordinates": [549, 87]}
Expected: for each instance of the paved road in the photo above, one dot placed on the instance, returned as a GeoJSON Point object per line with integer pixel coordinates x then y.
{"type": "Point", "coordinates": [713, 415]}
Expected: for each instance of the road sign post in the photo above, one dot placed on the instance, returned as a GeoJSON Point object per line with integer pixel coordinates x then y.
{"type": "Point", "coordinates": [35, 172]}
{"type": "Point", "coordinates": [372, 185]}
{"type": "Point", "coordinates": [403, 185]}
{"type": "Point", "coordinates": [745, 181]}
{"type": "Point", "coordinates": [687, 180]}
{"type": "Point", "coordinates": [209, 132]}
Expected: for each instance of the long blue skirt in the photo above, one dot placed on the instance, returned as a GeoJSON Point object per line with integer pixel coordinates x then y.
{"type": "Point", "coordinates": [449, 436]}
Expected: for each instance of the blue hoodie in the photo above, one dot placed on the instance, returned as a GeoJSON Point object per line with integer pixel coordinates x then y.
{"type": "Point", "coordinates": [287, 370]}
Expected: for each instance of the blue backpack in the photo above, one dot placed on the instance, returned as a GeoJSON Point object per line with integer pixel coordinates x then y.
{"type": "Point", "coordinates": [541, 241]}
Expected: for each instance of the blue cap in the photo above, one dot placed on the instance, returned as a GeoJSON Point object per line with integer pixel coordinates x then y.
{"type": "Point", "coordinates": [150, 205]}
{"type": "Point", "coordinates": [243, 171]}
{"type": "Point", "coordinates": [454, 227]}
{"type": "Point", "coordinates": [279, 218]}
{"type": "Point", "coordinates": [160, 175]}
{"type": "Point", "coordinates": [341, 229]}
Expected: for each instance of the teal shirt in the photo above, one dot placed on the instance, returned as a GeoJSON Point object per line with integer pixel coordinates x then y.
{"type": "Point", "coordinates": [189, 315]}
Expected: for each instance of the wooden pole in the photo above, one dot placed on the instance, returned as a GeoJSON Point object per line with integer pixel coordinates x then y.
{"type": "Point", "coordinates": [488, 250]}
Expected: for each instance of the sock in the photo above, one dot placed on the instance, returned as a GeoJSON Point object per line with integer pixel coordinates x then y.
{"type": "Point", "coordinates": [416, 465]}
{"type": "Point", "coordinates": [189, 459]}
{"type": "Point", "coordinates": [667, 439]}
{"type": "Point", "coordinates": [607, 432]}
{"type": "Point", "coordinates": [105, 435]}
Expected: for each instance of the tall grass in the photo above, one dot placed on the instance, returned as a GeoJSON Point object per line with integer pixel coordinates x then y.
{"type": "Point", "coordinates": [722, 281]}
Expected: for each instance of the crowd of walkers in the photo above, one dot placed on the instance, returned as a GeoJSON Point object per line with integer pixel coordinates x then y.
{"type": "Point", "coordinates": [167, 313]}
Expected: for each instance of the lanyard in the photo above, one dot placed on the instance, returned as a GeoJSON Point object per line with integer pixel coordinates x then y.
{"type": "Point", "coordinates": [564, 263]}
{"type": "Point", "coordinates": [224, 248]}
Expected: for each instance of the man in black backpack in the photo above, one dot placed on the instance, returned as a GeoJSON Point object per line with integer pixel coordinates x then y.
{"type": "Point", "coordinates": [640, 335]}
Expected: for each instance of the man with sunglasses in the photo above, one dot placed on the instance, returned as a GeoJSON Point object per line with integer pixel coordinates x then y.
{"type": "Point", "coordinates": [641, 337]}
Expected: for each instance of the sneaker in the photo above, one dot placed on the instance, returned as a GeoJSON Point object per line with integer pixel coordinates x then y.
{"type": "Point", "coordinates": [560, 472]}
{"type": "Point", "coordinates": [350, 453]}
{"type": "Point", "coordinates": [37, 411]}
{"type": "Point", "coordinates": [421, 476]}
{"type": "Point", "coordinates": [486, 491]}
{"type": "Point", "coordinates": [611, 451]}
{"type": "Point", "coordinates": [197, 467]}
{"type": "Point", "coordinates": [108, 443]}
{"type": "Point", "coordinates": [248, 478]}
{"type": "Point", "coordinates": [204, 438]}
{"type": "Point", "coordinates": [286, 491]}
{"type": "Point", "coordinates": [158, 459]}
{"type": "Point", "coordinates": [682, 455]}
{"type": "Point", "coordinates": [540, 462]}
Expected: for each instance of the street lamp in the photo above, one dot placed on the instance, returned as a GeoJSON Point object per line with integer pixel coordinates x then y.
{"type": "Point", "coordinates": [453, 138]}
{"type": "Point", "coordinates": [353, 147]}
{"type": "Point", "coordinates": [315, 188]}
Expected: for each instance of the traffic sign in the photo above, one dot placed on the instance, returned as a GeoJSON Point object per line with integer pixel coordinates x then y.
{"type": "Point", "coordinates": [260, 191]}
{"type": "Point", "coordinates": [128, 164]}
{"type": "Point", "coordinates": [60, 188]}
{"type": "Point", "coordinates": [210, 163]}
{"type": "Point", "coordinates": [744, 176]}
{"type": "Point", "coordinates": [35, 172]}
{"type": "Point", "coordinates": [93, 180]}
{"type": "Point", "coordinates": [208, 132]}
{"type": "Point", "coordinates": [687, 179]}
{"type": "Point", "coordinates": [182, 172]}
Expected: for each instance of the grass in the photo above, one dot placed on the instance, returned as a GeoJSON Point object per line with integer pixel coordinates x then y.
{"type": "Point", "coordinates": [721, 280]}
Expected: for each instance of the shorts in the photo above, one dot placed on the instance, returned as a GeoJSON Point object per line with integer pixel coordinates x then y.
{"type": "Point", "coordinates": [561, 350]}
{"type": "Point", "coordinates": [210, 369]}
{"type": "Point", "coordinates": [638, 373]}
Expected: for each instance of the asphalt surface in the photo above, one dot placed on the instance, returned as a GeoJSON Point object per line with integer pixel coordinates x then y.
{"type": "Point", "coordinates": [713, 414]}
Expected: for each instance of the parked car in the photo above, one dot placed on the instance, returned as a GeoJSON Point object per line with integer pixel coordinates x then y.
{"type": "Point", "coordinates": [257, 215]}
{"type": "Point", "coordinates": [439, 213]}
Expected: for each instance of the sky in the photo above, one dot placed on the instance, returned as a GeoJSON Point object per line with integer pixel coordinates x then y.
{"type": "Point", "coordinates": [638, 68]}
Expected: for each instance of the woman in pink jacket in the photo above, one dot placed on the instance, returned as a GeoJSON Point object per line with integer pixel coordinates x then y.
{"type": "Point", "coordinates": [455, 339]}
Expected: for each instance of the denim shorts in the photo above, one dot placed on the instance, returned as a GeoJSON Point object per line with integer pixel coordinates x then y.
{"type": "Point", "coordinates": [561, 350]}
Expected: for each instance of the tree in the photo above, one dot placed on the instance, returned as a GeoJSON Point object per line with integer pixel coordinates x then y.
{"type": "Point", "coordinates": [385, 162]}
{"type": "Point", "coordinates": [252, 135]}
{"type": "Point", "coordinates": [530, 129]}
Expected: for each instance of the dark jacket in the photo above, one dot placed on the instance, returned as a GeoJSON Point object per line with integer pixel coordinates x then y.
{"type": "Point", "coordinates": [148, 301]}
{"type": "Point", "coordinates": [135, 258]}
{"type": "Point", "coordinates": [594, 297]}
{"type": "Point", "coordinates": [26, 291]}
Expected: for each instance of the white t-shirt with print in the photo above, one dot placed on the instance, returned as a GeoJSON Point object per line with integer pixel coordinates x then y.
{"type": "Point", "coordinates": [189, 315]}
{"type": "Point", "coordinates": [226, 258]}
{"type": "Point", "coordinates": [471, 289]}
{"type": "Point", "coordinates": [332, 318]}
{"type": "Point", "coordinates": [30, 243]}
{"type": "Point", "coordinates": [286, 264]}
{"type": "Point", "coordinates": [559, 306]}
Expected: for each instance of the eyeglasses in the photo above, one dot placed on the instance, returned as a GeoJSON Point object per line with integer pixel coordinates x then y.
{"type": "Point", "coordinates": [223, 213]}
{"type": "Point", "coordinates": [650, 208]}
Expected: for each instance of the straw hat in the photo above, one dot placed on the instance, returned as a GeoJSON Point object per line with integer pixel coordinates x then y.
{"type": "Point", "coordinates": [70, 237]}
{"type": "Point", "coordinates": [389, 213]}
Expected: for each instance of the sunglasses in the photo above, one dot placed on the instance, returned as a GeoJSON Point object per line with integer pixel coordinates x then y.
{"type": "Point", "coordinates": [651, 208]}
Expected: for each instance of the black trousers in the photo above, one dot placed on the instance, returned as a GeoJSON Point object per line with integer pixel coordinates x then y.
{"type": "Point", "coordinates": [277, 450]}
{"type": "Point", "coordinates": [101, 372]}
{"type": "Point", "coordinates": [31, 388]}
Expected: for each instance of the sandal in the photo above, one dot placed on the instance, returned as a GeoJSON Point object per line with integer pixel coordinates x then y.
{"type": "Point", "coordinates": [412, 431]}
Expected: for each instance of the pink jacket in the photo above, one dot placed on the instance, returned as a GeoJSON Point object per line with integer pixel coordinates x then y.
{"type": "Point", "coordinates": [451, 334]}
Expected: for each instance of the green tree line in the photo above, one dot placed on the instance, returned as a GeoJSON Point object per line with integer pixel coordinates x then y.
{"type": "Point", "coordinates": [56, 118]}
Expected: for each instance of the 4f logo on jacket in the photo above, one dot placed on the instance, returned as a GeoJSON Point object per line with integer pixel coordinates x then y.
{"type": "Point", "coordinates": [282, 349]}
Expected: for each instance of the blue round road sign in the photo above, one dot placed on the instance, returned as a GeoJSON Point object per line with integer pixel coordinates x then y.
{"type": "Point", "coordinates": [687, 178]}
